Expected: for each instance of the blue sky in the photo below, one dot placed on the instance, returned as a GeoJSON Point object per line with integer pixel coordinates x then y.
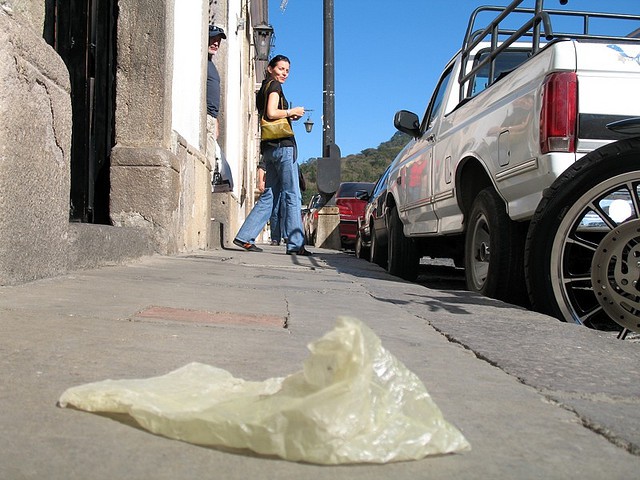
{"type": "Point", "coordinates": [388, 56]}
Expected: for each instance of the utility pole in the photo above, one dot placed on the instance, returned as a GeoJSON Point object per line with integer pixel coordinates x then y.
{"type": "Point", "coordinates": [328, 94]}
{"type": "Point", "coordinates": [329, 164]}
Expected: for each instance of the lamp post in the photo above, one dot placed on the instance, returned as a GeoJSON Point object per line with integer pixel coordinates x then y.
{"type": "Point", "coordinates": [262, 40]}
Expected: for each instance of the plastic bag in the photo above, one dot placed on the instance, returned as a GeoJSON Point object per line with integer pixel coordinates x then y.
{"type": "Point", "coordinates": [354, 402]}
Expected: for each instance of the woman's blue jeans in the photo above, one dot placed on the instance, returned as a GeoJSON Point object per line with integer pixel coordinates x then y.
{"type": "Point", "coordinates": [281, 182]}
{"type": "Point", "coordinates": [277, 213]}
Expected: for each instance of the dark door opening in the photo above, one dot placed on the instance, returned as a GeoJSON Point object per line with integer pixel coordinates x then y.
{"type": "Point", "coordinates": [83, 32]}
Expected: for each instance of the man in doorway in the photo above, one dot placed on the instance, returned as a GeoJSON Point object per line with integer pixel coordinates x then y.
{"type": "Point", "coordinates": [216, 35]}
{"type": "Point", "coordinates": [221, 180]}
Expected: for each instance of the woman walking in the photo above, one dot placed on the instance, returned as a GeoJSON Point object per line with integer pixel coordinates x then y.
{"type": "Point", "coordinates": [279, 159]}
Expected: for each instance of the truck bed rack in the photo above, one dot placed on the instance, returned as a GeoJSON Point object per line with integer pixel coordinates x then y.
{"type": "Point", "coordinates": [537, 27]}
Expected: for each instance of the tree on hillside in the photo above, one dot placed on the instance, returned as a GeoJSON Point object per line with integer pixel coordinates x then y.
{"type": "Point", "coordinates": [365, 166]}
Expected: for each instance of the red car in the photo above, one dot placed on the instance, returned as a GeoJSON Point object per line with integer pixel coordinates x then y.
{"type": "Point", "coordinates": [351, 208]}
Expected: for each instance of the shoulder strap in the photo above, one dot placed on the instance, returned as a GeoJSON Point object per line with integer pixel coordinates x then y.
{"type": "Point", "coordinates": [266, 97]}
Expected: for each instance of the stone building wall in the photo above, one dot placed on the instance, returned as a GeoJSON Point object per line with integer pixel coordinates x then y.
{"type": "Point", "coordinates": [35, 143]}
{"type": "Point", "coordinates": [158, 182]}
{"type": "Point", "coordinates": [160, 196]}
{"type": "Point", "coordinates": [29, 13]}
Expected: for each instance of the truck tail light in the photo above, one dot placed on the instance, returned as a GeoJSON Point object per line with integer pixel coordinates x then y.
{"type": "Point", "coordinates": [559, 112]}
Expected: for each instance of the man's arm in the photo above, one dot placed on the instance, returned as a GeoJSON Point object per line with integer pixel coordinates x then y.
{"type": "Point", "coordinates": [261, 179]}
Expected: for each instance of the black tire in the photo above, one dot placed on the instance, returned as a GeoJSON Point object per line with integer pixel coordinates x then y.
{"type": "Point", "coordinates": [360, 250]}
{"type": "Point", "coordinates": [573, 243]}
{"type": "Point", "coordinates": [494, 250]}
{"type": "Point", "coordinates": [402, 255]}
{"type": "Point", "coordinates": [311, 238]}
{"type": "Point", "coordinates": [377, 252]}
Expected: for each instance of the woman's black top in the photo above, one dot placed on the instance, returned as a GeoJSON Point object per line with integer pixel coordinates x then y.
{"type": "Point", "coordinates": [261, 98]}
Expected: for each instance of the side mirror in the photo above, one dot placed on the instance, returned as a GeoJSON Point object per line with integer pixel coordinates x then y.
{"type": "Point", "coordinates": [407, 122]}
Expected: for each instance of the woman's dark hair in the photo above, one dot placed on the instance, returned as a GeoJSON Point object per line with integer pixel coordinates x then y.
{"type": "Point", "coordinates": [278, 58]}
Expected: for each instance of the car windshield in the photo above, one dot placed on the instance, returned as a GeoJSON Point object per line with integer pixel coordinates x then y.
{"type": "Point", "coordinates": [350, 189]}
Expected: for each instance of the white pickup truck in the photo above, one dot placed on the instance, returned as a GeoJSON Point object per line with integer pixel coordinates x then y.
{"type": "Point", "coordinates": [513, 173]}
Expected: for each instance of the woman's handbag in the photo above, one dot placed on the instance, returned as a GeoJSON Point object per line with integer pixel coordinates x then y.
{"type": "Point", "coordinates": [274, 129]}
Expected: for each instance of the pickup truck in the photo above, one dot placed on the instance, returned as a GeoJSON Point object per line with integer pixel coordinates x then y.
{"type": "Point", "coordinates": [513, 173]}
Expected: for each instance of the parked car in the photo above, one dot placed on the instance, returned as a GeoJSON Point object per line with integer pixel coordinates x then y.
{"type": "Point", "coordinates": [351, 205]}
{"type": "Point", "coordinates": [372, 220]}
{"type": "Point", "coordinates": [310, 219]}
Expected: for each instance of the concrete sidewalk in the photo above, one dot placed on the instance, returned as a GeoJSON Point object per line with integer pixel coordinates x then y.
{"type": "Point", "coordinates": [536, 398]}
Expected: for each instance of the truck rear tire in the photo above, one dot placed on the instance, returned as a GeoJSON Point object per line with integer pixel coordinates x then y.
{"type": "Point", "coordinates": [494, 246]}
{"type": "Point", "coordinates": [402, 256]}
{"type": "Point", "coordinates": [582, 247]}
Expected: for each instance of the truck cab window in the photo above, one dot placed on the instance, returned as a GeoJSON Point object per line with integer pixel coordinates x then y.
{"type": "Point", "coordinates": [435, 107]}
{"type": "Point", "coordinates": [505, 63]}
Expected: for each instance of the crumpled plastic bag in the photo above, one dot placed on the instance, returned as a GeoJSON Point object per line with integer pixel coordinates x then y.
{"type": "Point", "coordinates": [353, 402]}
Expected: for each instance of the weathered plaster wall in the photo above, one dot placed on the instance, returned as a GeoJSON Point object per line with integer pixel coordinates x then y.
{"type": "Point", "coordinates": [189, 82]}
{"type": "Point", "coordinates": [195, 198]}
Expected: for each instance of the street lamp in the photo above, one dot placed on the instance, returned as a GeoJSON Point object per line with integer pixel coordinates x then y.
{"type": "Point", "coordinates": [308, 123]}
{"type": "Point", "coordinates": [262, 40]}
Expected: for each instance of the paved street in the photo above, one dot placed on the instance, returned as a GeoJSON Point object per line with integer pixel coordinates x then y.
{"type": "Point", "coordinates": [536, 398]}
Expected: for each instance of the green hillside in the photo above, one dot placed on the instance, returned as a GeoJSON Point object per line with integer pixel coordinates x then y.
{"type": "Point", "coordinates": [365, 166]}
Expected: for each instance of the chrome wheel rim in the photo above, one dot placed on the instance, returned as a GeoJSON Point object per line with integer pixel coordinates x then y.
{"type": "Point", "coordinates": [481, 253]}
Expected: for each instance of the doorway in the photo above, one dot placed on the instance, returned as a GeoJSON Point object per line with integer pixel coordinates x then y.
{"type": "Point", "coordinates": [83, 32]}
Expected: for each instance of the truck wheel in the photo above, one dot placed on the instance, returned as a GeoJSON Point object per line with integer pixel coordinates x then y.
{"type": "Point", "coordinates": [377, 254]}
{"type": "Point", "coordinates": [494, 245]}
{"type": "Point", "coordinates": [402, 254]}
{"type": "Point", "coordinates": [583, 246]}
